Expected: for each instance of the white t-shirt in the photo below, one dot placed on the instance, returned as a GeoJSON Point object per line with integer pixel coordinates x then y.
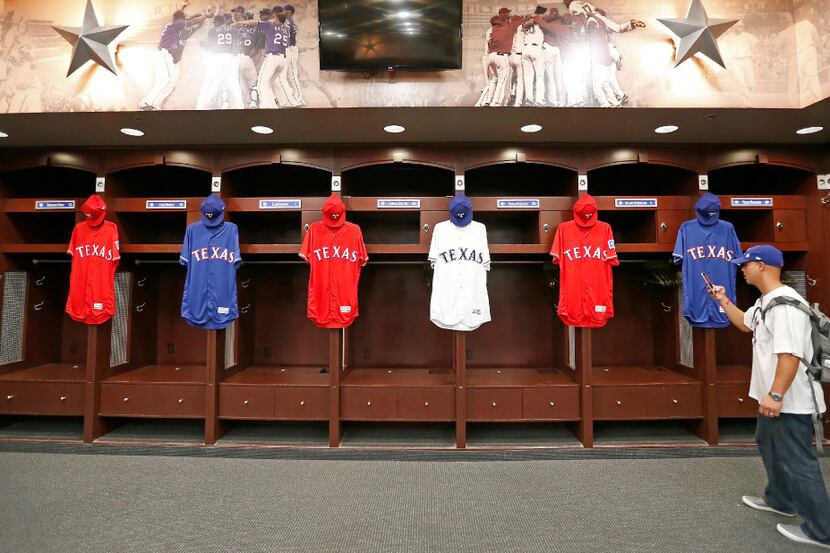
{"type": "Point", "coordinates": [784, 330]}
{"type": "Point", "coordinates": [461, 258]}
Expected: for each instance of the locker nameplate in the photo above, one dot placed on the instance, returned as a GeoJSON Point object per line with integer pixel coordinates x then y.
{"type": "Point", "coordinates": [751, 202]}
{"type": "Point", "coordinates": [62, 204]}
{"type": "Point", "coordinates": [165, 204]}
{"type": "Point", "coordinates": [635, 202]}
{"type": "Point", "coordinates": [517, 203]}
{"type": "Point", "coordinates": [399, 204]}
{"type": "Point", "coordinates": [280, 204]}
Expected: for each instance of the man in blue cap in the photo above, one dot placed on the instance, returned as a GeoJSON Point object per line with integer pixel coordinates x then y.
{"type": "Point", "coordinates": [780, 338]}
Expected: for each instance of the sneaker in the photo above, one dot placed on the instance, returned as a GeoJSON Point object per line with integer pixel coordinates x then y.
{"type": "Point", "coordinates": [761, 505]}
{"type": "Point", "coordinates": [796, 534]}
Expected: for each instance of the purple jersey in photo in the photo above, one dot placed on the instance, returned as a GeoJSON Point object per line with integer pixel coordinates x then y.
{"type": "Point", "coordinates": [276, 36]}
{"type": "Point", "coordinates": [173, 38]}
{"type": "Point", "coordinates": [292, 34]}
{"type": "Point", "coordinates": [223, 39]}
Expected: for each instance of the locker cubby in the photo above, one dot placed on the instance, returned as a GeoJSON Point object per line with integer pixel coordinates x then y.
{"type": "Point", "coordinates": [167, 369]}
{"type": "Point", "coordinates": [47, 182]}
{"type": "Point", "coordinates": [164, 181]}
{"type": "Point", "coordinates": [751, 225]}
{"type": "Point", "coordinates": [268, 228]}
{"type": "Point", "coordinates": [44, 358]}
{"type": "Point", "coordinates": [510, 227]}
{"type": "Point", "coordinates": [631, 227]}
{"type": "Point", "coordinates": [46, 227]}
{"type": "Point", "coordinates": [277, 180]}
{"type": "Point", "coordinates": [399, 364]}
{"type": "Point", "coordinates": [398, 180]}
{"type": "Point", "coordinates": [636, 179]}
{"type": "Point", "coordinates": [637, 373]}
{"type": "Point", "coordinates": [142, 227]}
{"type": "Point", "coordinates": [759, 178]}
{"type": "Point", "coordinates": [520, 179]}
{"type": "Point", "coordinates": [282, 358]}
{"type": "Point", "coordinates": [516, 364]}
{"type": "Point", "coordinates": [398, 227]}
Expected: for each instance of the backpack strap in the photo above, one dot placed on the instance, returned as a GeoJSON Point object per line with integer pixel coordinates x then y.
{"type": "Point", "coordinates": [783, 300]}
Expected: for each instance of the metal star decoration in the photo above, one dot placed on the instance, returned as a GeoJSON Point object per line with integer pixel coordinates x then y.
{"type": "Point", "coordinates": [698, 33]}
{"type": "Point", "coordinates": [89, 42]}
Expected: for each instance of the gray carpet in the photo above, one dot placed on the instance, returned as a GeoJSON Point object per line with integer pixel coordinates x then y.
{"type": "Point", "coordinates": [309, 434]}
{"type": "Point", "coordinates": [520, 435]}
{"type": "Point", "coordinates": [398, 434]}
{"type": "Point", "coordinates": [643, 432]}
{"type": "Point", "coordinates": [111, 503]}
{"type": "Point", "coordinates": [50, 428]}
{"type": "Point", "coordinates": [736, 431]}
{"type": "Point", "coordinates": [158, 430]}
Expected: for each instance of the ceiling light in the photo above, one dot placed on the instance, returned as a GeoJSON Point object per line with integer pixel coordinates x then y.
{"type": "Point", "coordinates": [666, 129]}
{"type": "Point", "coordinates": [260, 129]}
{"type": "Point", "coordinates": [533, 127]}
{"type": "Point", "coordinates": [394, 129]}
{"type": "Point", "coordinates": [809, 130]}
{"type": "Point", "coordinates": [3, 135]}
{"type": "Point", "coordinates": [132, 132]}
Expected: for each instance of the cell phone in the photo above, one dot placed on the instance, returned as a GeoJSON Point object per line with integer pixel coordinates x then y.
{"type": "Point", "coordinates": [709, 285]}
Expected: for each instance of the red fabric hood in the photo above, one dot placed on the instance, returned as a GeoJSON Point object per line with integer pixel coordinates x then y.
{"type": "Point", "coordinates": [95, 210]}
{"type": "Point", "coordinates": [585, 211]}
{"type": "Point", "coordinates": [334, 212]}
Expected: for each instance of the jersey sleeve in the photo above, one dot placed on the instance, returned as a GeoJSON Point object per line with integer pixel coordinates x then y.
{"type": "Point", "coordinates": [184, 257]}
{"type": "Point", "coordinates": [238, 254]}
{"type": "Point", "coordinates": [116, 246]}
{"type": "Point", "coordinates": [735, 243]}
{"type": "Point", "coordinates": [485, 248]}
{"type": "Point", "coordinates": [610, 254]}
{"type": "Point", "coordinates": [305, 247]}
{"type": "Point", "coordinates": [789, 328]}
{"type": "Point", "coordinates": [362, 255]}
{"type": "Point", "coordinates": [679, 246]}
{"type": "Point", "coordinates": [71, 249]}
{"type": "Point", "coordinates": [433, 245]}
{"type": "Point", "coordinates": [556, 248]}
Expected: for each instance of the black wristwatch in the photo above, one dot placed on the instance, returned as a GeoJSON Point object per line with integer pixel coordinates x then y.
{"type": "Point", "coordinates": [776, 396]}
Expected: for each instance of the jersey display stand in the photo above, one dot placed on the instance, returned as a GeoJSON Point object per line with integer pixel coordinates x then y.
{"type": "Point", "coordinates": [392, 365]}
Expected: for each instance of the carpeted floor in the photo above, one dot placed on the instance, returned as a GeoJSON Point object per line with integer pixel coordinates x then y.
{"type": "Point", "coordinates": [97, 498]}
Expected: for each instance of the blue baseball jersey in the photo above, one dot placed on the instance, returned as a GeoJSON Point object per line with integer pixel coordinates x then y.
{"type": "Point", "coordinates": [706, 248]}
{"type": "Point", "coordinates": [212, 258]}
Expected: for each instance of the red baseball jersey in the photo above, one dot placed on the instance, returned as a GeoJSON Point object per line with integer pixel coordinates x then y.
{"type": "Point", "coordinates": [95, 256]}
{"type": "Point", "coordinates": [336, 255]}
{"type": "Point", "coordinates": [585, 251]}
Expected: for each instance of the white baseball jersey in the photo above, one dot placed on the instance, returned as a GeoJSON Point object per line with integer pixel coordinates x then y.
{"type": "Point", "coordinates": [461, 259]}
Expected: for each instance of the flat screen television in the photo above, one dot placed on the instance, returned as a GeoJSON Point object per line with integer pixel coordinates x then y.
{"type": "Point", "coordinates": [370, 35]}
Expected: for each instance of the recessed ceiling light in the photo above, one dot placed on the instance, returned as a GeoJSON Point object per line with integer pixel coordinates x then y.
{"type": "Point", "coordinates": [3, 135]}
{"type": "Point", "coordinates": [394, 129]}
{"type": "Point", "coordinates": [261, 129]}
{"type": "Point", "coordinates": [132, 132]}
{"type": "Point", "coordinates": [533, 127]}
{"type": "Point", "coordinates": [809, 130]}
{"type": "Point", "coordinates": [666, 129]}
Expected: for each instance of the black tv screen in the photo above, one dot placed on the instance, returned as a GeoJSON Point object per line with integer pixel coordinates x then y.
{"type": "Point", "coordinates": [367, 35]}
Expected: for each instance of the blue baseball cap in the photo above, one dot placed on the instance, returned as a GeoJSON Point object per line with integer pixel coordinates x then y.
{"type": "Point", "coordinates": [707, 209]}
{"type": "Point", "coordinates": [763, 253]}
{"type": "Point", "coordinates": [213, 211]}
{"type": "Point", "coordinates": [461, 210]}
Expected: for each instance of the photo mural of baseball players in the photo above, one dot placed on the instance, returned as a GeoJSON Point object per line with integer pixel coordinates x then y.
{"type": "Point", "coordinates": [460, 258]}
{"type": "Point", "coordinates": [94, 248]}
{"type": "Point", "coordinates": [706, 244]}
{"type": "Point", "coordinates": [169, 54]}
{"type": "Point", "coordinates": [210, 252]}
{"type": "Point", "coordinates": [335, 253]}
{"type": "Point", "coordinates": [585, 251]}
{"type": "Point", "coordinates": [221, 81]}
{"type": "Point", "coordinates": [273, 87]}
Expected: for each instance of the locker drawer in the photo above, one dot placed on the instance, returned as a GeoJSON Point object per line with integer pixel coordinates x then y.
{"type": "Point", "coordinates": [59, 398]}
{"type": "Point", "coordinates": [493, 404]}
{"type": "Point", "coordinates": [668, 223]}
{"type": "Point", "coordinates": [734, 401]}
{"type": "Point", "coordinates": [14, 399]}
{"type": "Point", "coordinates": [126, 399]}
{"type": "Point", "coordinates": [559, 403]}
{"type": "Point", "coordinates": [180, 401]}
{"type": "Point", "coordinates": [790, 225]}
{"type": "Point", "coordinates": [681, 402]}
{"type": "Point", "coordinates": [368, 404]}
{"type": "Point", "coordinates": [246, 402]}
{"type": "Point", "coordinates": [301, 403]}
{"type": "Point", "coordinates": [426, 404]}
{"type": "Point", "coordinates": [619, 403]}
